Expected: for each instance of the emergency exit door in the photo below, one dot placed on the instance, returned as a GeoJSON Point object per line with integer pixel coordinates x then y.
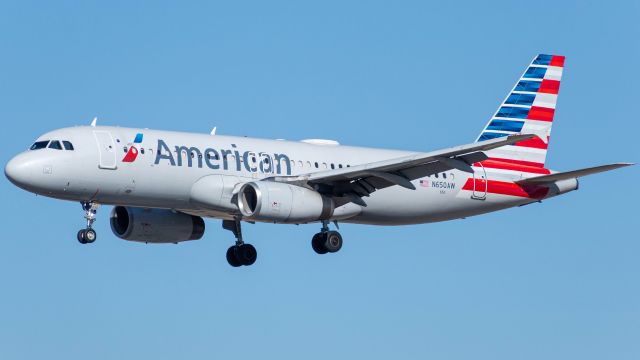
{"type": "Point", "coordinates": [479, 183]}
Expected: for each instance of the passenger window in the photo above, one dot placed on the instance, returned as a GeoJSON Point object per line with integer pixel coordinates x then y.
{"type": "Point", "coordinates": [39, 145]}
{"type": "Point", "coordinates": [142, 151]}
{"type": "Point", "coordinates": [333, 166]}
{"type": "Point", "coordinates": [436, 175]}
{"type": "Point", "coordinates": [55, 144]}
{"type": "Point", "coordinates": [444, 175]}
{"type": "Point", "coordinates": [67, 145]}
{"type": "Point", "coordinates": [340, 166]}
{"type": "Point", "coordinates": [125, 149]}
{"type": "Point", "coordinates": [316, 165]}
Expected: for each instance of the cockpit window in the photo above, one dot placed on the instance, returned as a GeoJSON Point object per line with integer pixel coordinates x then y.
{"type": "Point", "coordinates": [55, 144]}
{"type": "Point", "coordinates": [39, 145]}
{"type": "Point", "coordinates": [67, 145]}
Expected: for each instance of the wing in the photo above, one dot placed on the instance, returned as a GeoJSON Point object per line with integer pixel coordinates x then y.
{"type": "Point", "coordinates": [352, 183]}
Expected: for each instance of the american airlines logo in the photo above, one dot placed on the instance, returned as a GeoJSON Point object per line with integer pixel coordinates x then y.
{"type": "Point", "coordinates": [224, 159]}
{"type": "Point", "coordinates": [132, 154]}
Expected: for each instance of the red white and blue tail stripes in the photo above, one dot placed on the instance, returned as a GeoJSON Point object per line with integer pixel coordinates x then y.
{"type": "Point", "coordinates": [529, 109]}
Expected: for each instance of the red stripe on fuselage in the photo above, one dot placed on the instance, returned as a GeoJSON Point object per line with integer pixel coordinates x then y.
{"type": "Point", "coordinates": [510, 165]}
{"type": "Point", "coordinates": [520, 162]}
{"type": "Point", "coordinates": [507, 188]}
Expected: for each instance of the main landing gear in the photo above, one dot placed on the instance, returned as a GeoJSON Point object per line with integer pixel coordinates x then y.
{"type": "Point", "coordinates": [88, 235]}
{"type": "Point", "coordinates": [326, 241]}
{"type": "Point", "coordinates": [240, 253]}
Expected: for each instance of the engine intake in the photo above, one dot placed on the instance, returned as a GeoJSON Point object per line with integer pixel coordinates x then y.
{"type": "Point", "coordinates": [278, 202]}
{"type": "Point", "coordinates": [155, 225]}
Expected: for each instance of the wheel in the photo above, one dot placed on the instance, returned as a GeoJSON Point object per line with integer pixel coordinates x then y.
{"type": "Point", "coordinates": [90, 235]}
{"type": "Point", "coordinates": [81, 237]}
{"type": "Point", "coordinates": [333, 241]}
{"type": "Point", "coordinates": [246, 254]}
{"type": "Point", "coordinates": [232, 259]}
{"type": "Point", "coordinates": [317, 243]}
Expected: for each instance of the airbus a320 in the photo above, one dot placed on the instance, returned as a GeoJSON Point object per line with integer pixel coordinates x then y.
{"type": "Point", "coordinates": [163, 184]}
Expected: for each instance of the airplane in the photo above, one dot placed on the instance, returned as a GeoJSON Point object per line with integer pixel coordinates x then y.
{"type": "Point", "coordinates": [163, 183]}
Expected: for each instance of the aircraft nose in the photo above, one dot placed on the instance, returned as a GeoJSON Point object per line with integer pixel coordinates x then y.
{"type": "Point", "coordinates": [17, 171]}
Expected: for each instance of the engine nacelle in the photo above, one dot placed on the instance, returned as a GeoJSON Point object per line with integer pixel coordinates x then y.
{"type": "Point", "coordinates": [155, 225]}
{"type": "Point", "coordinates": [278, 202]}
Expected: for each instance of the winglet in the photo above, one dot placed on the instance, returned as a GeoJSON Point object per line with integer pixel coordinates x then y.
{"type": "Point", "coordinates": [94, 121]}
{"type": "Point", "coordinates": [213, 131]}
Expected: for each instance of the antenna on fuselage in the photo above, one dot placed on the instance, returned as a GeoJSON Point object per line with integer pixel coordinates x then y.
{"type": "Point", "coordinates": [213, 131]}
{"type": "Point", "coordinates": [94, 121]}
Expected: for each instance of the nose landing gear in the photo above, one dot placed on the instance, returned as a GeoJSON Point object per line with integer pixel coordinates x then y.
{"type": "Point", "coordinates": [88, 235]}
{"type": "Point", "coordinates": [326, 241]}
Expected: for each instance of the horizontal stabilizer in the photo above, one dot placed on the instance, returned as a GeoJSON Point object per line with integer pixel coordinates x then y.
{"type": "Point", "coordinates": [572, 174]}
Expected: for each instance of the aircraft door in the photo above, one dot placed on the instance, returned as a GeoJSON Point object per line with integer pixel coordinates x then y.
{"type": "Point", "coordinates": [479, 183]}
{"type": "Point", "coordinates": [106, 150]}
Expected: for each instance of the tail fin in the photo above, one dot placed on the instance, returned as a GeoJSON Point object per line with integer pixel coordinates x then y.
{"type": "Point", "coordinates": [528, 109]}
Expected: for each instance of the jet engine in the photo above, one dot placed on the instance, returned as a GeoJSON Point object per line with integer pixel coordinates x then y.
{"type": "Point", "coordinates": [155, 225]}
{"type": "Point", "coordinates": [278, 202]}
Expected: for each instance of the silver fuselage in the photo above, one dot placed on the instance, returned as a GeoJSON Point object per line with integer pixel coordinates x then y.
{"type": "Point", "coordinates": [95, 171]}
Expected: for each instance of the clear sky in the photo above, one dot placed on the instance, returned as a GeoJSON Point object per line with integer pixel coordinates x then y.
{"type": "Point", "coordinates": [556, 280]}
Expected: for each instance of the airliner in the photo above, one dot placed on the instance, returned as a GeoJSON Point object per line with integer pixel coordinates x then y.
{"type": "Point", "coordinates": [162, 184]}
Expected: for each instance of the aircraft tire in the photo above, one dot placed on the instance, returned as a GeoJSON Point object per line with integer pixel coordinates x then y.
{"type": "Point", "coordinates": [90, 235]}
{"type": "Point", "coordinates": [317, 243]}
{"type": "Point", "coordinates": [81, 238]}
{"type": "Point", "coordinates": [232, 259]}
{"type": "Point", "coordinates": [246, 254]}
{"type": "Point", "coordinates": [333, 242]}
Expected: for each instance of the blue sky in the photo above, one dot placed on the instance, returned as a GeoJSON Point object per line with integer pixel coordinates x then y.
{"type": "Point", "coordinates": [553, 280]}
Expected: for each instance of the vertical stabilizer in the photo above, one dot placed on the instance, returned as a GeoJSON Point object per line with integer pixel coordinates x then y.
{"type": "Point", "coordinates": [529, 109]}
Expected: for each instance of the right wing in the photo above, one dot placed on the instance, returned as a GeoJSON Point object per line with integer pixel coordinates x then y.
{"type": "Point", "coordinates": [352, 183]}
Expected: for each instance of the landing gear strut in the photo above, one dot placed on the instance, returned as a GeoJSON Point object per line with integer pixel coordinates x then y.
{"type": "Point", "coordinates": [326, 241]}
{"type": "Point", "coordinates": [88, 235]}
{"type": "Point", "coordinates": [240, 253]}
